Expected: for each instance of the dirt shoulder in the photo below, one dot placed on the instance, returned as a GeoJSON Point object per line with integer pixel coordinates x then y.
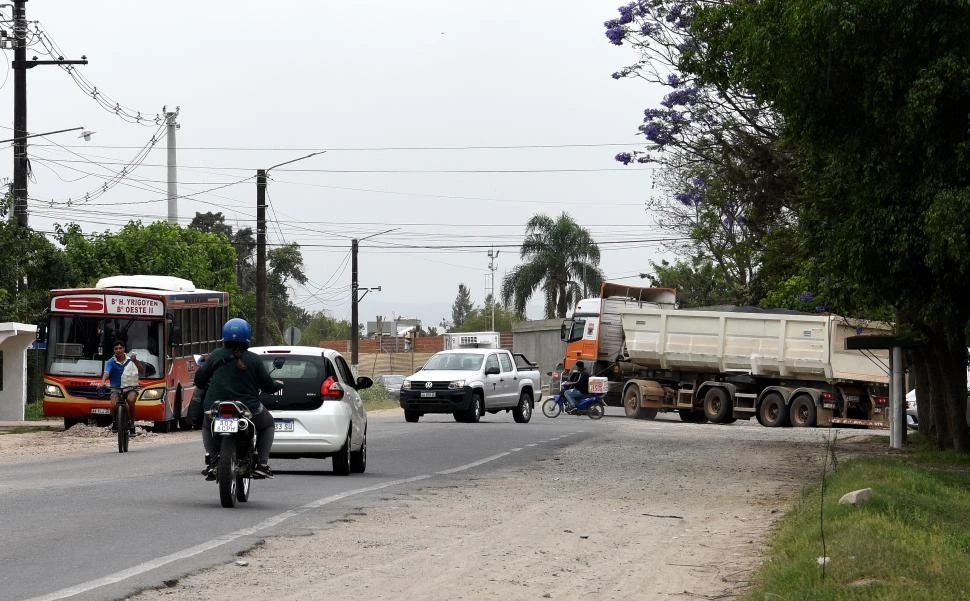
{"type": "Point", "coordinates": [642, 510]}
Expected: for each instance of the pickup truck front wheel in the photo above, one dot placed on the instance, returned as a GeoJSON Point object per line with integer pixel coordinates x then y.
{"type": "Point", "coordinates": [474, 412]}
{"type": "Point", "coordinates": [523, 411]}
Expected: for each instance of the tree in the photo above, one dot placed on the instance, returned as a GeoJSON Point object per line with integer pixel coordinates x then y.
{"type": "Point", "coordinates": [160, 248]}
{"type": "Point", "coordinates": [872, 97]}
{"type": "Point", "coordinates": [561, 258]}
{"type": "Point", "coordinates": [462, 306]}
{"type": "Point", "coordinates": [699, 283]}
{"type": "Point", "coordinates": [724, 182]}
{"type": "Point", "coordinates": [30, 267]}
{"type": "Point", "coordinates": [479, 319]}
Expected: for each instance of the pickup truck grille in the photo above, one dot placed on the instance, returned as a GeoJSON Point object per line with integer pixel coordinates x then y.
{"type": "Point", "coordinates": [418, 385]}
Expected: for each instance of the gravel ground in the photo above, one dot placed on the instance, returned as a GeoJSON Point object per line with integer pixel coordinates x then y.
{"type": "Point", "coordinates": [643, 510]}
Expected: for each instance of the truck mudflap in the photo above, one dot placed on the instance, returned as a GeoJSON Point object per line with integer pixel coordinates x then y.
{"type": "Point", "coordinates": [846, 421]}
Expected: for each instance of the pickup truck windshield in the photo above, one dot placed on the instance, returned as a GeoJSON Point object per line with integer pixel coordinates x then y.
{"type": "Point", "coordinates": [455, 362]}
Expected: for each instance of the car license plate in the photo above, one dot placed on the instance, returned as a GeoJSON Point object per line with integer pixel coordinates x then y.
{"type": "Point", "coordinates": [428, 395]}
{"type": "Point", "coordinates": [101, 411]}
{"type": "Point", "coordinates": [222, 424]}
{"type": "Point", "coordinates": [283, 425]}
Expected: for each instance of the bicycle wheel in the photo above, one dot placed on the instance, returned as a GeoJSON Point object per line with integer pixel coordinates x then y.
{"type": "Point", "coordinates": [121, 421]}
{"type": "Point", "coordinates": [551, 408]}
{"type": "Point", "coordinates": [227, 471]}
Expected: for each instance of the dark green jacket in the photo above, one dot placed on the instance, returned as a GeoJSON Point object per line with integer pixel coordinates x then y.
{"type": "Point", "coordinates": [224, 381]}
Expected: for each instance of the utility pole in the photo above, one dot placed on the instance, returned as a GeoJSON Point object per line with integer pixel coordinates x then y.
{"type": "Point", "coordinates": [173, 194]}
{"type": "Point", "coordinates": [260, 337]}
{"type": "Point", "coordinates": [492, 267]}
{"type": "Point", "coordinates": [21, 165]}
{"type": "Point", "coordinates": [261, 295]}
{"type": "Point", "coordinates": [355, 299]}
{"type": "Point", "coordinates": [354, 333]}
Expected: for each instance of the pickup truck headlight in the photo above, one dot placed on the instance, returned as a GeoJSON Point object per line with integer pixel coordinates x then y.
{"type": "Point", "coordinates": [456, 384]}
{"type": "Point", "coordinates": [53, 390]}
{"type": "Point", "coordinates": [152, 394]}
{"type": "Point", "coordinates": [406, 385]}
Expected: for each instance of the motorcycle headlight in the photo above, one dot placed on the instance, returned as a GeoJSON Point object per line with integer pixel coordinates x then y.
{"type": "Point", "coordinates": [152, 394]}
{"type": "Point", "coordinates": [456, 384]}
{"type": "Point", "coordinates": [53, 390]}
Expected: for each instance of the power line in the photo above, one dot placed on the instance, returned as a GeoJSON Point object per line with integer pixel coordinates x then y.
{"type": "Point", "coordinates": [386, 148]}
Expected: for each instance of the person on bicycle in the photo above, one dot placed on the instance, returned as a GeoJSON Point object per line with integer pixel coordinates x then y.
{"type": "Point", "coordinates": [578, 385]}
{"type": "Point", "coordinates": [113, 370]}
{"type": "Point", "coordinates": [233, 373]}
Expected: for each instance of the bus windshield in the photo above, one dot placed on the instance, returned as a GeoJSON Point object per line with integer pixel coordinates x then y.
{"type": "Point", "coordinates": [78, 345]}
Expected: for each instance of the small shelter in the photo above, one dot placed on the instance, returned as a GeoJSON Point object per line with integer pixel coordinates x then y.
{"type": "Point", "coordinates": [15, 339]}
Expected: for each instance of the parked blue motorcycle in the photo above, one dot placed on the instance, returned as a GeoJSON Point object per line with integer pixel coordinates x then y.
{"type": "Point", "coordinates": [591, 404]}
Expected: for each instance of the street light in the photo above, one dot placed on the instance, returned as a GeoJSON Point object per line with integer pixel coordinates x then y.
{"type": "Point", "coordinates": [261, 300]}
{"type": "Point", "coordinates": [354, 299]}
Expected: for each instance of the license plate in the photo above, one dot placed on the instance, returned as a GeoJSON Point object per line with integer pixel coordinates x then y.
{"type": "Point", "coordinates": [283, 425]}
{"type": "Point", "coordinates": [225, 425]}
{"type": "Point", "coordinates": [428, 395]}
{"type": "Point", "coordinates": [101, 411]}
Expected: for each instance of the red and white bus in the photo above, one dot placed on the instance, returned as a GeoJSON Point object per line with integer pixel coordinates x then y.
{"type": "Point", "coordinates": [165, 321]}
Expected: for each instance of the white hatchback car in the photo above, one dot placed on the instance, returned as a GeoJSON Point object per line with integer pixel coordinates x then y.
{"type": "Point", "coordinates": [319, 412]}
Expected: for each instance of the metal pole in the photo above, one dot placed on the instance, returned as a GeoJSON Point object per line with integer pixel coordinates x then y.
{"type": "Point", "coordinates": [173, 208]}
{"type": "Point", "coordinates": [20, 113]}
{"type": "Point", "coordinates": [260, 337]}
{"type": "Point", "coordinates": [354, 351]}
{"type": "Point", "coordinates": [897, 417]}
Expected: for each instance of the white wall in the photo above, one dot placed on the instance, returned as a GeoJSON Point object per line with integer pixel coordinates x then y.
{"type": "Point", "coordinates": [15, 338]}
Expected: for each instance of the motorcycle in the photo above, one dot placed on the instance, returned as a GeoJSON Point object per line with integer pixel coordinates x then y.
{"type": "Point", "coordinates": [234, 437]}
{"type": "Point", "coordinates": [591, 404]}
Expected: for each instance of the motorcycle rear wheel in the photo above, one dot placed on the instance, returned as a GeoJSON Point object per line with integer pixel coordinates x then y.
{"type": "Point", "coordinates": [550, 408]}
{"type": "Point", "coordinates": [226, 472]}
{"type": "Point", "coordinates": [596, 410]}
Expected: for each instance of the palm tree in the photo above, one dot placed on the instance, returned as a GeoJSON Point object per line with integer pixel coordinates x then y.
{"type": "Point", "coordinates": [561, 258]}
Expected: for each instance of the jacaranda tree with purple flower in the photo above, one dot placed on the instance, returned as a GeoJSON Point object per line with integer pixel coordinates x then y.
{"type": "Point", "coordinates": [718, 134]}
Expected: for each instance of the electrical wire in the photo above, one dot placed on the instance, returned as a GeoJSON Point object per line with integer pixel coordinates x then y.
{"type": "Point", "coordinates": [130, 115]}
{"type": "Point", "coordinates": [388, 148]}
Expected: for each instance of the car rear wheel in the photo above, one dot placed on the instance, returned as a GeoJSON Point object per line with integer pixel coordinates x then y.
{"type": "Point", "coordinates": [341, 461]}
{"type": "Point", "coordinates": [358, 459]}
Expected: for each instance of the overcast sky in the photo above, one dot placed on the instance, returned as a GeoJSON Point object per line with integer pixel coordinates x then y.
{"type": "Point", "coordinates": [399, 94]}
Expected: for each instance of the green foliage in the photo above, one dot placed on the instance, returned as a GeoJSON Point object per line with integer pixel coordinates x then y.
{"type": "Point", "coordinates": [911, 541]}
{"type": "Point", "coordinates": [160, 248]}
{"type": "Point", "coordinates": [479, 319]}
{"type": "Point", "coordinates": [321, 326]}
{"type": "Point", "coordinates": [30, 267]}
{"type": "Point", "coordinates": [560, 257]}
{"type": "Point", "coordinates": [462, 306]}
{"type": "Point", "coordinates": [699, 283]}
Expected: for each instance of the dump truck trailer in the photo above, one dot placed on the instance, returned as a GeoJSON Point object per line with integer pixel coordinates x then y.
{"type": "Point", "coordinates": [728, 363]}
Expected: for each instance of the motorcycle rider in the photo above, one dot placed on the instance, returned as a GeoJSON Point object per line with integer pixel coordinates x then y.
{"type": "Point", "coordinates": [233, 373]}
{"type": "Point", "coordinates": [578, 386]}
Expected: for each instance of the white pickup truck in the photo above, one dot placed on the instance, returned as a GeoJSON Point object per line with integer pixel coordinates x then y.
{"type": "Point", "coordinates": [470, 382]}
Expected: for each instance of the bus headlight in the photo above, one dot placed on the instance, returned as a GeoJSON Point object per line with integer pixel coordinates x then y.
{"type": "Point", "coordinates": [152, 394]}
{"type": "Point", "coordinates": [53, 390]}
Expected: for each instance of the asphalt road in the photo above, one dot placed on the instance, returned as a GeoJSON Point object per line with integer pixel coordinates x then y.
{"type": "Point", "coordinates": [105, 525]}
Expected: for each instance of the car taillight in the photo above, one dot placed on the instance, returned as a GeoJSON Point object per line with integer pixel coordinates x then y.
{"type": "Point", "coordinates": [331, 389]}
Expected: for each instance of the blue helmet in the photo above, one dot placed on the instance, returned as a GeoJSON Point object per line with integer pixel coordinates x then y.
{"type": "Point", "coordinates": [237, 330]}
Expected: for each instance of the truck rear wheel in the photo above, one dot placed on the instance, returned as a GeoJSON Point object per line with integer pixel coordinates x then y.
{"type": "Point", "coordinates": [772, 413]}
{"type": "Point", "coordinates": [803, 413]}
{"type": "Point", "coordinates": [631, 401]}
{"type": "Point", "coordinates": [717, 406]}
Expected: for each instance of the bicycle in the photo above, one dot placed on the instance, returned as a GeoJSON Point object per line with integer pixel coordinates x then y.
{"type": "Point", "coordinates": [123, 417]}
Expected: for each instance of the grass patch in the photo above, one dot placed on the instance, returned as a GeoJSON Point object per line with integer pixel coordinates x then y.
{"type": "Point", "coordinates": [377, 397]}
{"type": "Point", "coordinates": [34, 411]}
{"type": "Point", "coordinates": [910, 542]}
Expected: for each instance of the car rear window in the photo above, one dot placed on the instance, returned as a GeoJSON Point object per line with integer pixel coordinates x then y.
{"type": "Point", "coordinates": [301, 377]}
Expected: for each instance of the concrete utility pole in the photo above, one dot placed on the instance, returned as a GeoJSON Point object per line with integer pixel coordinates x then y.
{"type": "Point", "coordinates": [260, 337]}
{"type": "Point", "coordinates": [492, 267]}
{"type": "Point", "coordinates": [173, 190]}
{"type": "Point", "coordinates": [21, 165]}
